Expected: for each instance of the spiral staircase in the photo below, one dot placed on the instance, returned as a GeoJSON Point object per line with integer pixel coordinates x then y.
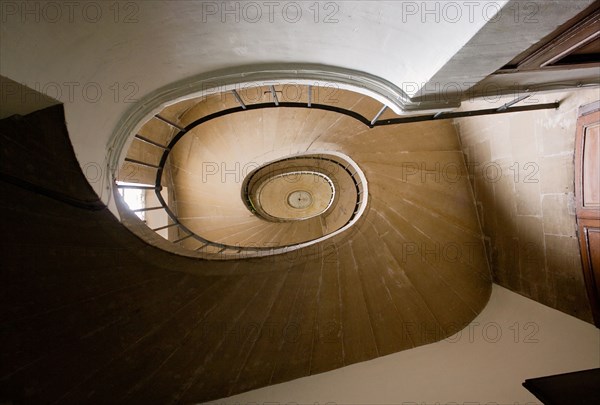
{"type": "Point", "coordinates": [298, 237]}
{"type": "Point", "coordinates": [229, 158]}
{"type": "Point", "coordinates": [219, 219]}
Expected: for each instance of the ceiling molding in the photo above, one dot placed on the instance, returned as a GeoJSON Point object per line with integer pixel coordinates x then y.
{"type": "Point", "coordinates": [254, 75]}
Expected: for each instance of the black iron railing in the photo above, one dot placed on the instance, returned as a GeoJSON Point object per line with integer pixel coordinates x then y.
{"type": "Point", "coordinates": [352, 170]}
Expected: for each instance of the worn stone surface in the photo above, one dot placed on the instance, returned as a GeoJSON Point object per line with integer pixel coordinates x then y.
{"type": "Point", "coordinates": [527, 212]}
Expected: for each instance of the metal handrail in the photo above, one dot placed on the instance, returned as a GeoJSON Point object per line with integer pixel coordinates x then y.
{"type": "Point", "coordinates": [360, 187]}
{"type": "Point", "coordinates": [243, 107]}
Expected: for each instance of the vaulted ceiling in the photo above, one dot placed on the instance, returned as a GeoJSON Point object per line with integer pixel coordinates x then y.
{"type": "Point", "coordinates": [126, 316]}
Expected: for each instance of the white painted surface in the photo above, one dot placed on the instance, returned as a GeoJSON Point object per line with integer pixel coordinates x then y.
{"type": "Point", "coordinates": [513, 339]}
{"type": "Point", "coordinates": [126, 50]}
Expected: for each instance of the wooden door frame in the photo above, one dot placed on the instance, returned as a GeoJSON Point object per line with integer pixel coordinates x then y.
{"type": "Point", "coordinates": [587, 218]}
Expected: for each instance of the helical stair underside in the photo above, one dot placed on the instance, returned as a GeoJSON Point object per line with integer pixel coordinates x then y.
{"type": "Point", "coordinates": [407, 263]}
{"type": "Point", "coordinates": [168, 324]}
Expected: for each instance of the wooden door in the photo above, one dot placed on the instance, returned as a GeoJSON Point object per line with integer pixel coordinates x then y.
{"type": "Point", "coordinates": [587, 188]}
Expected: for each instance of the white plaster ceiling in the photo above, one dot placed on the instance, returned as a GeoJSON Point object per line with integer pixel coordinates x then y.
{"type": "Point", "coordinates": [71, 52]}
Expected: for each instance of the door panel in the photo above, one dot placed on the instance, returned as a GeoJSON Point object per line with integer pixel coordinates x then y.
{"type": "Point", "coordinates": [587, 187]}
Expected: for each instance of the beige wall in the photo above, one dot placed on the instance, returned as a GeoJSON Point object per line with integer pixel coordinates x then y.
{"type": "Point", "coordinates": [513, 339]}
{"type": "Point", "coordinates": [523, 177]}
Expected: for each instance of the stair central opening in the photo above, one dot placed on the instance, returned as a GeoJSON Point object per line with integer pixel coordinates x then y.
{"type": "Point", "coordinates": [300, 199]}
{"type": "Point", "coordinates": [279, 193]}
{"type": "Point", "coordinates": [296, 195]}
{"type": "Point", "coordinates": [231, 182]}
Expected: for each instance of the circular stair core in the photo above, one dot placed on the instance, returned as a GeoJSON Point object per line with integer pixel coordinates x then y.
{"type": "Point", "coordinates": [220, 181]}
{"type": "Point", "coordinates": [295, 196]}
{"type": "Point", "coordinates": [300, 199]}
{"type": "Point", "coordinates": [314, 195]}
